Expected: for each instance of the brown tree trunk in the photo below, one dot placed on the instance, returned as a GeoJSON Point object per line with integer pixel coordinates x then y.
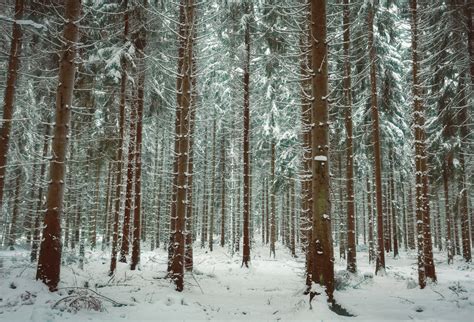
{"type": "Point", "coordinates": [95, 212]}
{"type": "Point", "coordinates": [108, 188]}
{"type": "Point", "coordinates": [371, 221]}
{"type": "Point", "coordinates": [404, 220]}
{"type": "Point", "coordinates": [411, 220]}
{"type": "Point", "coordinates": [109, 228]}
{"type": "Point", "coordinates": [140, 43]}
{"type": "Point", "coordinates": [351, 248]}
{"type": "Point", "coordinates": [205, 200]}
{"type": "Point", "coordinates": [380, 259]}
{"type": "Point", "coordinates": [293, 219]}
{"type": "Point", "coordinates": [12, 235]}
{"type": "Point", "coordinates": [9, 96]}
{"type": "Point", "coordinates": [463, 121]}
{"type": "Point", "coordinates": [39, 201]}
{"type": "Point", "coordinates": [124, 250]}
{"type": "Point", "coordinates": [184, 105]}
{"type": "Point", "coordinates": [342, 239]}
{"type": "Point", "coordinates": [119, 159]}
{"type": "Point", "coordinates": [323, 265]}
{"type": "Point", "coordinates": [273, 232]}
{"type": "Point", "coordinates": [306, 191]}
{"type": "Point", "coordinates": [246, 142]}
{"type": "Point", "coordinates": [223, 195]}
{"type": "Point", "coordinates": [213, 186]}
{"type": "Point", "coordinates": [422, 202]}
{"type": "Point", "coordinates": [189, 205]}
{"type": "Point", "coordinates": [394, 213]}
{"type": "Point", "coordinates": [49, 261]}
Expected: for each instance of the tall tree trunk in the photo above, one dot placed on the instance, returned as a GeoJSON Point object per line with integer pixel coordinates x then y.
{"type": "Point", "coordinates": [39, 201]}
{"type": "Point", "coordinates": [411, 220]}
{"type": "Point", "coordinates": [371, 220]}
{"type": "Point", "coordinates": [273, 231]}
{"type": "Point", "coordinates": [108, 188]}
{"type": "Point", "coordinates": [463, 121]}
{"type": "Point", "coordinates": [119, 157]}
{"type": "Point", "coordinates": [140, 43]}
{"type": "Point", "coordinates": [12, 235]}
{"type": "Point", "coordinates": [246, 142]}
{"type": "Point", "coordinates": [394, 213]}
{"type": "Point", "coordinates": [95, 212]}
{"type": "Point", "coordinates": [404, 220]}
{"type": "Point", "coordinates": [323, 265]}
{"type": "Point", "coordinates": [49, 261]}
{"type": "Point", "coordinates": [422, 202]}
{"type": "Point", "coordinates": [223, 191]}
{"type": "Point", "coordinates": [351, 248]}
{"type": "Point", "coordinates": [184, 105]}
{"type": "Point", "coordinates": [342, 242]}
{"type": "Point", "coordinates": [124, 250]}
{"type": "Point", "coordinates": [380, 259]}
{"type": "Point", "coordinates": [205, 200]}
{"type": "Point", "coordinates": [213, 186]}
{"type": "Point", "coordinates": [9, 96]}
{"type": "Point", "coordinates": [189, 205]}
{"type": "Point", "coordinates": [293, 218]}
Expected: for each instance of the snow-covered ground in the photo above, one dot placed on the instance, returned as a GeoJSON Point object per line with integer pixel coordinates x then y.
{"type": "Point", "coordinates": [219, 289]}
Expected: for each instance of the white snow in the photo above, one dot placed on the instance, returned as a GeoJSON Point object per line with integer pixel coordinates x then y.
{"type": "Point", "coordinates": [219, 289]}
{"type": "Point", "coordinates": [321, 158]}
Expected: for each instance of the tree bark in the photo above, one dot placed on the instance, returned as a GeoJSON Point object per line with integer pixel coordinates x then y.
{"type": "Point", "coordinates": [323, 265]}
{"type": "Point", "coordinates": [380, 258]}
{"type": "Point", "coordinates": [463, 121]}
{"type": "Point", "coordinates": [351, 248]}
{"type": "Point", "coordinates": [9, 96]}
{"type": "Point", "coordinates": [140, 43]}
{"type": "Point", "coordinates": [12, 235]}
{"type": "Point", "coordinates": [246, 141]}
{"type": "Point", "coordinates": [178, 260]}
{"type": "Point", "coordinates": [124, 250]}
{"type": "Point", "coordinates": [119, 157]}
{"type": "Point", "coordinates": [422, 202]}
{"type": "Point", "coordinates": [49, 261]}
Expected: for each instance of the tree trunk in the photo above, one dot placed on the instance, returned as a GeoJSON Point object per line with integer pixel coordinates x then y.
{"type": "Point", "coordinates": [411, 220]}
{"type": "Point", "coordinates": [246, 142]}
{"type": "Point", "coordinates": [105, 231]}
{"type": "Point", "coordinates": [273, 231]}
{"type": "Point", "coordinates": [39, 202]}
{"type": "Point", "coordinates": [213, 186]}
{"type": "Point", "coordinates": [95, 212]}
{"type": "Point", "coordinates": [463, 121]}
{"type": "Point", "coordinates": [323, 265]}
{"type": "Point", "coordinates": [140, 43]}
{"type": "Point", "coordinates": [223, 182]}
{"type": "Point", "coordinates": [12, 235]}
{"type": "Point", "coordinates": [184, 105]}
{"type": "Point", "coordinates": [394, 213]}
{"type": "Point", "coordinates": [124, 250]}
{"type": "Point", "coordinates": [351, 248]}
{"type": "Point", "coordinates": [119, 157]}
{"type": "Point", "coordinates": [380, 259]}
{"type": "Point", "coordinates": [50, 251]}
{"type": "Point", "coordinates": [371, 221]}
{"type": "Point", "coordinates": [9, 96]}
{"type": "Point", "coordinates": [422, 202]}
{"type": "Point", "coordinates": [189, 205]}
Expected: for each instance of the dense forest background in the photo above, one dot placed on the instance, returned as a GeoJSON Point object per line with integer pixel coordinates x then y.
{"type": "Point", "coordinates": [130, 126]}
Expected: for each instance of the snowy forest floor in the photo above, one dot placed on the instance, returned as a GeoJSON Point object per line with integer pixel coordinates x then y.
{"type": "Point", "coordinates": [219, 289]}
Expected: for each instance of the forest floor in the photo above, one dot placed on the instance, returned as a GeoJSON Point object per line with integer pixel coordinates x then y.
{"type": "Point", "coordinates": [219, 289]}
